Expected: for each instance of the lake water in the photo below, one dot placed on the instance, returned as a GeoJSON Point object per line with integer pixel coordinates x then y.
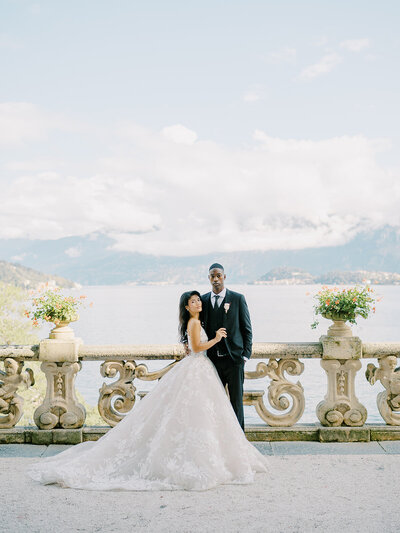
{"type": "Point", "coordinates": [148, 314]}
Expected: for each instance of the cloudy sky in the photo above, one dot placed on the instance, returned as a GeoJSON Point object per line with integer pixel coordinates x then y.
{"type": "Point", "coordinates": [181, 127]}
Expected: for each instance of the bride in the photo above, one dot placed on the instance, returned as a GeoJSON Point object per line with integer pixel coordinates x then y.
{"type": "Point", "coordinates": [183, 434]}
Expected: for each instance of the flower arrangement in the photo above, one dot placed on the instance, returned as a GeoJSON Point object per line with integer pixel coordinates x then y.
{"type": "Point", "coordinates": [53, 306]}
{"type": "Point", "coordinates": [344, 304]}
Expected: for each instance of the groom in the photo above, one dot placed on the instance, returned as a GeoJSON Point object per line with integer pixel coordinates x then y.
{"type": "Point", "coordinates": [223, 308]}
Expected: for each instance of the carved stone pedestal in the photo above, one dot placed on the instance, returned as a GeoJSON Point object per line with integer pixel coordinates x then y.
{"type": "Point", "coordinates": [341, 362]}
{"type": "Point", "coordinates": [60, 407]}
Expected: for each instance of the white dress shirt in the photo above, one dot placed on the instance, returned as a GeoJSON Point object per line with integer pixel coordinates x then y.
{"type": "Point", "coordinates": [221, 296]}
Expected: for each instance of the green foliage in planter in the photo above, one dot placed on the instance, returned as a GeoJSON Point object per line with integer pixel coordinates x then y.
{"type": "Point", "coordinates": [53, 306]}
{"type": "Point", "coordinates": [344, 304]}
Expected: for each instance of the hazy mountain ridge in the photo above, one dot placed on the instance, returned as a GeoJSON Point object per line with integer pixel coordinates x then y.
{"type": "Point", "coordinates": [29, 278]}
{"type": "Point", "coordinates": [90, 260]}
{"type": "Point", "coordinates": [297, 276]}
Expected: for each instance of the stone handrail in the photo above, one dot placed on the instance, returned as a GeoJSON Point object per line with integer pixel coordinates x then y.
{"type": "Point", "coordinates": [261, 350]}
{"type": "Point", "coordinates": [62, 359]}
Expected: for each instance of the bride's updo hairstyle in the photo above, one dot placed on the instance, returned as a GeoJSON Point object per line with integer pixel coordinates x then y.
{"type": "Point", "coordinates": [184, 314]}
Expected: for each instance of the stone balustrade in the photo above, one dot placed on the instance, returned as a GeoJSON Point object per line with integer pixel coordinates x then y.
{"type": "Point", "coordinates": [279, 401]}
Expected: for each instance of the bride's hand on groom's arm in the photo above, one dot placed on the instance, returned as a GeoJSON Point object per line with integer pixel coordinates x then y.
{"type": "Point", "coordinates": [220, 333]}
{"type": "Point", "coordinates": [194, 328]}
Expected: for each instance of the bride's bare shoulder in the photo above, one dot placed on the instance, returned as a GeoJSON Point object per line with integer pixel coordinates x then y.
{"type": "Point", "coordinates": [193, 323]}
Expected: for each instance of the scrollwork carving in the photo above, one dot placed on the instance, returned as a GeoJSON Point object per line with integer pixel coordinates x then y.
{"type": "Point", "coordinates": [11, 404]}
{"type": "Point", "coordinates": [141, 372]}
{"type": "Point", "coordinates": [117, 398]}
{"type": "Point", "coordinates": [282, 394]}
{"type": "Point", "coordinates": [388, 401]}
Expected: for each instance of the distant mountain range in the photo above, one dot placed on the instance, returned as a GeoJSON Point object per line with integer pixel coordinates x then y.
{"type": "Point", "coordinates": [297, 276]}
{"type": "Point", "coordinates": [90, 260]}
{"type": "Point", "coordinates": [29, 278]}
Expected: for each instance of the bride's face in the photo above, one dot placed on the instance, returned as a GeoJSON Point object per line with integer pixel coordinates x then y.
{"type": "Point", "coordinates": [194, 305]}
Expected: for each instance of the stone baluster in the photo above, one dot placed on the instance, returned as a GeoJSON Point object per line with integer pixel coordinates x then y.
{"type": "Point", "coordinates": [60, 407]}
{"type": "Point", "coordinates": [341, 362]}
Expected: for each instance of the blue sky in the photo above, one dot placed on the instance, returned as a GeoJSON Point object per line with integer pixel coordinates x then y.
{"type": "Point", "coordinates": [190, 127]}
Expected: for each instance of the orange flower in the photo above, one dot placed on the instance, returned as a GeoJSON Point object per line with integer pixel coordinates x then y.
{"type": "Point", "coordinates": [337, 301]}
{"type": "Point", "coordinates": [354, 299]}
{"type": "Point", "coordinates": [327, 302]}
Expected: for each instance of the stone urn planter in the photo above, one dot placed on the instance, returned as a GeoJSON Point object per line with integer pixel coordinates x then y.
{"type": "Point", "coordinates": [62, 331]}
{"type": "Point", "coordinates": [339, 328]}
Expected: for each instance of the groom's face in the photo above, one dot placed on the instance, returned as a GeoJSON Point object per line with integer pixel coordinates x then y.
{"type": "Point", "coordinates": [217, 278]}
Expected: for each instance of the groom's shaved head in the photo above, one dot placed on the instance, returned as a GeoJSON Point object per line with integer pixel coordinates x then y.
{"type": "Point", "coordinates": [216, 265]}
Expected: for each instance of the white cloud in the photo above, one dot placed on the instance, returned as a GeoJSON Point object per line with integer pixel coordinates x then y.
{"type": "Point", "coordinates": [179, 134]}
{"type": "Point", "coordinates": [21, 122]}
{"type": "Point", "coordinates": [254, 94]}
{"type": "Point", "coordinates": [355, 45]}
{"type": "Point", "coordinates": [74, 251]}
{"type": "Point", "coordinates": [18, 258]}
{"type": "Point", "coordinates": [327, 63]}
{"type": "Point", "coordinates": [157, 196]}
{"type": "Point", "coordinates": [24, 122]}
{"type": "Point", "coordinates": [284, 55]}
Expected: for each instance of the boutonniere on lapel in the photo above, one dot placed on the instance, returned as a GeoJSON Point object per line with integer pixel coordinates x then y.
{"type": "Point", "coordinates": [226, 307]}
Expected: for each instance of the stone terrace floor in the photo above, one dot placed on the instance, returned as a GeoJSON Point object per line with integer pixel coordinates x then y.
{"type": "Point", "coordinates": [311, 486]}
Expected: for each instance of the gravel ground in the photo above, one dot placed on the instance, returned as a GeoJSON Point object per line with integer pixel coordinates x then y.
{"type": "Point", "coordinates": [327, 493]}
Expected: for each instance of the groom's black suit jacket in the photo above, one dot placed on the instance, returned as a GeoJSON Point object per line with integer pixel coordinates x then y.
{"type": "Point", "coordinates": [236, 320]}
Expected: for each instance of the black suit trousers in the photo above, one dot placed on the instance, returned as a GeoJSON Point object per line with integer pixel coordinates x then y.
{"type": "Point", "coordinates": [232, 375]}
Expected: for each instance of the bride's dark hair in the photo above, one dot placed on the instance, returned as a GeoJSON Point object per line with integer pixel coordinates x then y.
{"type": "Point", "coordinates": [184, 314]}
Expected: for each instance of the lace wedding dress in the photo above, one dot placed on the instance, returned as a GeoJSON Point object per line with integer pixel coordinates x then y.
{"type": "Point", "coordinates": [182, 435]}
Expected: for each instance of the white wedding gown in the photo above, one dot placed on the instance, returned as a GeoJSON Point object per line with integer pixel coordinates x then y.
{"type": "Point", "coordinates": [182, 435]}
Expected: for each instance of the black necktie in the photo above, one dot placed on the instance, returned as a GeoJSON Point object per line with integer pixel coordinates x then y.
{"type": "Point", "coordinates": [216, 296]}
